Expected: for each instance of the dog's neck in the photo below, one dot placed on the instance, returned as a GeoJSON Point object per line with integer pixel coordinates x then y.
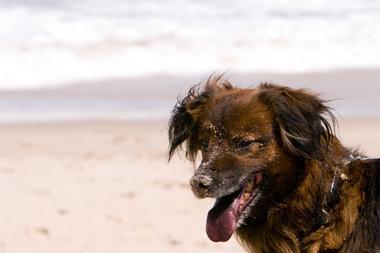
{"type": "Point", "coordinates": [329, 210]}
{"type": "Point", "coordinates": [340, 175]}
{"type": "Point", "coordinates": [339, 209]}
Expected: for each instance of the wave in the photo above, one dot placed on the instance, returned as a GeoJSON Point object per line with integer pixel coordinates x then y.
{"type": "Point", "coordinates": [51, 43]}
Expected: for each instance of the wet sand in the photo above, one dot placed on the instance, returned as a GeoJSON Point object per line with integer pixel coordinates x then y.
{"type": "Point", "coordinates": [354, 92]}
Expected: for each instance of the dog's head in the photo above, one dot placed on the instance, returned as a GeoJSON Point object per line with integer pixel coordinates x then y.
{"type": "Point", "coordinates": [253, 143]}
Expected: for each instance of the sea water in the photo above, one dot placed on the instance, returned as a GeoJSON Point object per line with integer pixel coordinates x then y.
{"type": "Point", "coordinates": [50, 43]}
{"type": "Point", "coordinates": [54, 42]}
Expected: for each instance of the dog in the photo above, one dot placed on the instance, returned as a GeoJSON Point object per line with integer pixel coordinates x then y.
{"type": "Point", "coordinates": [282, 180]}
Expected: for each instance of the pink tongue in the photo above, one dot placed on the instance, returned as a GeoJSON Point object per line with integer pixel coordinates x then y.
{"type": "Point", "coordinates": [221, 222]}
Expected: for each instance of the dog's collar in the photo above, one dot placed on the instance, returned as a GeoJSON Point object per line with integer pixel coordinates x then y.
{"type": "Point", "coordinates": [336, 183]}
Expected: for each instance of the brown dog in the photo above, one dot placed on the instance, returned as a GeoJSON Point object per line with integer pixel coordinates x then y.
{"type": "Point", "coordinates": [281, 179]}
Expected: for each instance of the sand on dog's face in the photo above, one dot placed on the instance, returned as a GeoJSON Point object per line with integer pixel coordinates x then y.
{"type": "Point", "coordinates": [107, 187]}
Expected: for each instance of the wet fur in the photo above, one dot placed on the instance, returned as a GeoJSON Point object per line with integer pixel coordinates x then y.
{"type": "Point", "coordinates": [300, 212]}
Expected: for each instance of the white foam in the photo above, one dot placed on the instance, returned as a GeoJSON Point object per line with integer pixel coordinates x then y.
{"type": "Point", "coordinates": [69, 41]}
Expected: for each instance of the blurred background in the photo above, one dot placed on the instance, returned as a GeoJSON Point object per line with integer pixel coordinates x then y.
{"type": "Point", "coordinates": [128, 59]}
{"type": "Point", "coordinates": [86, 90]}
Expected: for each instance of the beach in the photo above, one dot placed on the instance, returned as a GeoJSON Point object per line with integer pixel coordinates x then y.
{"type": "Point", "coordinates": [103, 186]}
{"type": "Point", "coordinates": [96, 187]}
{"type": "Point", "coordinates": [87, 89]}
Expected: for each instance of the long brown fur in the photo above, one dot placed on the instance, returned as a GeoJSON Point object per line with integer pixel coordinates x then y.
{"type": "Point", "coordinates": [320, 196]}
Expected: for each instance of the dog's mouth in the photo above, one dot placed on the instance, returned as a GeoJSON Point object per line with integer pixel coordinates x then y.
{"type": "Point", "coordinates": [228, 211]}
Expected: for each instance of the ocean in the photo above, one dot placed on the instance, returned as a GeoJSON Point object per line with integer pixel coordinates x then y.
{"type": "Point", "coordinates": [55, 42]}
{"type": "Point", "coordinates": [47, 44]}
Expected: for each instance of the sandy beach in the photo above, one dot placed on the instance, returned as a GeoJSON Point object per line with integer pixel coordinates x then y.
{"type": "Point", "coordinates": [87, 87]}
{"type": "Point", "coordinates": [107, 187]}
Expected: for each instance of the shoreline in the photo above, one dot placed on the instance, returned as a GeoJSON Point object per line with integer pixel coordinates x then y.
{"type": "Point", "coordinates": [165, 81]}
{"type": "Point", "coordinates": [353, 93]}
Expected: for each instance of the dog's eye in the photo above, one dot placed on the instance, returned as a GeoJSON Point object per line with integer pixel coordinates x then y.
{"type": "Point", "coordinates": [245, 143]}
{"type": "Point", "coordinates": [204, 143]}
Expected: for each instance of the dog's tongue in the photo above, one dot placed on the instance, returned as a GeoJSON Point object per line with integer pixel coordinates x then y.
{"type": "Point", "coordinates": [222, 219]}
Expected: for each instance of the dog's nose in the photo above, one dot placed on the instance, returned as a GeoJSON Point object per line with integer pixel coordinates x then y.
{"type": "Point", "coordinates": [200, 184]}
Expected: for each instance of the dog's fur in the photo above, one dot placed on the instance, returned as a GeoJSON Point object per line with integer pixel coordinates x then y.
{"type": "Point", "coordinates": [316, 195]}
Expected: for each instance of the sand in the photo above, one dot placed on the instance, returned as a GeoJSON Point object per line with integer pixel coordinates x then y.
{"type": "Point", "coordinates": [107, 187]}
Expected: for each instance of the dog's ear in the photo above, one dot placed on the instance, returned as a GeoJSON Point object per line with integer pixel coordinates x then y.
{"type": "Point", "coordinates": [301, 120]}
{"type": "Point", "coordinates": [182, 124]}
{"type": "Point", "coordinates": [187, 113]}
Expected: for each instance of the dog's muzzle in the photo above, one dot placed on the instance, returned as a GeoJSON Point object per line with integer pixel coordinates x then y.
{"type": "Point", "coordinates": [200, 185]}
